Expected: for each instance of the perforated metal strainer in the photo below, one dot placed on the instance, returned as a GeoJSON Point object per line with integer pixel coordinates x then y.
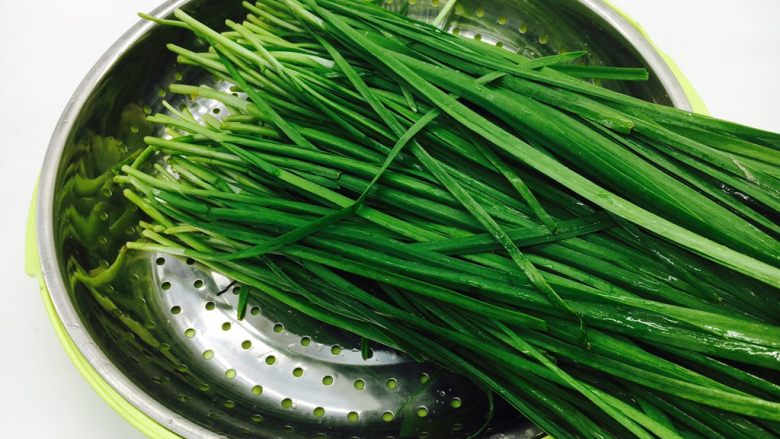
{"type": "Point", "coordinates": [164, 332]}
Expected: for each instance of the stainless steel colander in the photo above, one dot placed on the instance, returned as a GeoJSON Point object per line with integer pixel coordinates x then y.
{"type": "Point", "coordinates": [164, 333]}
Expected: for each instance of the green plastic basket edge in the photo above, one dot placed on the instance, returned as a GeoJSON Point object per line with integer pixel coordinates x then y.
{"type": "Point", "coordinates": [129, 412]}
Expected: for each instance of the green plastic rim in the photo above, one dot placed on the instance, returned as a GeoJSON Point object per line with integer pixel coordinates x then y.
{"type": "Point", "coordinates": [146, 425]}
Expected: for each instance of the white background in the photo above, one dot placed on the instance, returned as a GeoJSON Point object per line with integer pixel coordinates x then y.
{"type": "Point", "coordinates": [729, 49]}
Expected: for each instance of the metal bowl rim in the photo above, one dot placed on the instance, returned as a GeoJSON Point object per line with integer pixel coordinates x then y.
{"type": "Point", "coordinates": [53, 278]}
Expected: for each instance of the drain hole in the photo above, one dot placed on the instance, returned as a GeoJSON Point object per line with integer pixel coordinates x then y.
{"type": "Point", "coordinates": [424, 378]}
{"type": "Point", "coordinates": [335, 350]}
{"type": "Point", "coordinates": [360, 384]}
{"type": "Point", "coordinates": [287, 403]}
{"type": "Point", "coordinates": [456, 403]}
{"type": "Point", "coordinates": [327, 380]}
{"type": "Point", "coordinates": [388, 416]}
{"type": "Point", "coordinates": [257, 390]}
{"type": "Point", "coordinates": [352, 417]}
{"type": "Point", "coordinates": [392, 383]}
{"type": "Point", "coordinates": [210, 306]}
{"type": "Point", "coordinates": [165, 285]}
{"type": "Point", "coordinates": [298, 372]}
{"type": "Point", "coordinates": [226, 326]}
{"type": "Point", "coordinates": [422, 411]}
{"type": "Point", "coordinates": [305, 341]}
{"type": "Point", "coordinates": [160, 261]}
{"type": "Point", "coordinates": [254, 310]}
{"type": "Point", "coordinates": [198, 284]}
{"type": "Point", "coordinates": [257, 419]}
{"type": "Point", "coordinates": [230, 374]}
{"type": "Point", "coordinates": [189, 333]}
{"type": "Point", "coordinates": [246, 344]}
{"type": "Point", "coordinates": [229, 404]}
{"type": "Point", "coordinates": [208, 355]}
{"type": "Point", "coordinates": [270, 360]}
{"type": "Point", "coordinates": [176, 310]}
{"type": "Point", "coordinates": [278, 328]}
{"type": "Point", "coordinates": [319, 412]}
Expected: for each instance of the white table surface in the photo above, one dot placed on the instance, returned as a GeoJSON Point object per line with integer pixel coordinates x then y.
{"type": "Point", "coordinates": [729, 49]}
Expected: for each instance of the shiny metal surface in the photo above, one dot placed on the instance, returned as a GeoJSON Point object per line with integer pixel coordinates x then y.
{"type": "Point", "coordinates": [280, 372]}
{"type": "Point", "coordinates": [162, 336]}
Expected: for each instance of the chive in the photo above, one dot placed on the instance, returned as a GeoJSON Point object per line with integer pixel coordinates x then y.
{"type": "Point", "coordinates": [383, 176]}
{"type": "Point", "coordinates": [575, 182]}
{"type": "Point", "coordinates": [453, 187]}
{"type": "Point", "coordinates": [599, 72]}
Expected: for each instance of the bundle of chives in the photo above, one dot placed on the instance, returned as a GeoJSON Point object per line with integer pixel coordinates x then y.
{"type": "Point", "coordinates": [383, 176]}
